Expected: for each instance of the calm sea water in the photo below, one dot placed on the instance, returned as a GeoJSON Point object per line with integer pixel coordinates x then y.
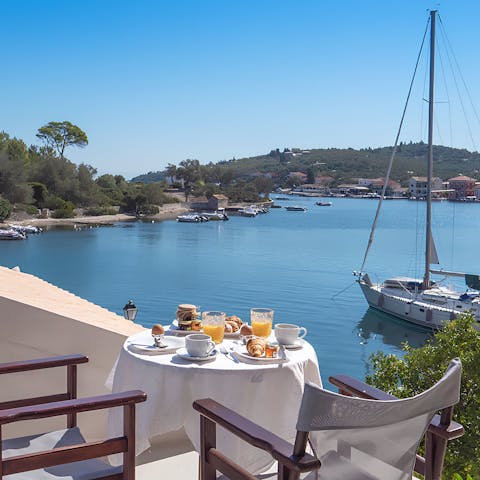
{"type": "Point", "coordinates": [298, 263]}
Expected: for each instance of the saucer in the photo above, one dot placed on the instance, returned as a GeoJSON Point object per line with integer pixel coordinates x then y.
{"type": "Point", "coordinates": [299, 343]}
{"type": "Point", "coordinates": [182, 353]}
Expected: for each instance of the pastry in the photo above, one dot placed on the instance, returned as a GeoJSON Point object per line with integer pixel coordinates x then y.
{"type": "Point", "coordinates": [246, 330]}
{"type": "Point", "coordinates": [233, 326]}
{"type": "Point", "coordinates": [256, 347]}
{"type": "Point", "coordinates": [158, 330]}
{"type": "Point", "coordinates": [235, 319]}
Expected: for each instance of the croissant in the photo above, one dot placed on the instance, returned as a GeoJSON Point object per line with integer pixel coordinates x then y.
{"type": "Point", "coordinates": [228, 328]}
{"type": "Point", "coordinates": [235, 319]}
{"type": "Point", "coordinates": [233, 326]}
{"type": "Point", "coordinates": [256, 347]}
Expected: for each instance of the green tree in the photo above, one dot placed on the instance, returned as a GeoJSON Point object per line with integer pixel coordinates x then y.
{"type": "Point", "coordinates": [171, 171]}
{"type": "Point", "coordinates": [60, 135]}
{"type": "Point", "coordinates": [189, 172]}
{"type": "Point", "coordinates": [310, 175]}
{"type": "Point", "coordinates": [421, 367]}
{"type": "Point", "coordinates": [5, 209]}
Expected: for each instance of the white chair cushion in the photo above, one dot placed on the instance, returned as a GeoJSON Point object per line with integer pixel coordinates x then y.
{"type": "Point", "coordinates": [84, 470]}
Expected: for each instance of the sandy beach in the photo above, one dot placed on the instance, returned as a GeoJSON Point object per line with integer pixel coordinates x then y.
{"type": "Point", "coordinates": [168, 211]}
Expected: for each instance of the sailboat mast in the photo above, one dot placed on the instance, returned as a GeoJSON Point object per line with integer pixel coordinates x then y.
{"type": "Point", "coordinates": [428, 248]}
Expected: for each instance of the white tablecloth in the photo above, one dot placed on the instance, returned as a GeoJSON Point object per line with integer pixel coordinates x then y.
{"type": "Point", "coordinates": [268, 394]}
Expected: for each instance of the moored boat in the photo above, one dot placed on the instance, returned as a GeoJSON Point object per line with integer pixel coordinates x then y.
{"type": "Point", "coordinates": [192, 218]}
{"type": "Point", "coordinates": [219, 214]}
{"type": "Point", "coordinates": [11, 234]}
{"type": "Point", "coordinates": [250, 211]}
{"type": "Point", "coordinates": [296, 209]}
{"type": "Point", "coordinates": [26, 229]}
{"type": "Point", "coordinates": [324, 204]}
{"type": "Point", "coordinates": [421, 301]}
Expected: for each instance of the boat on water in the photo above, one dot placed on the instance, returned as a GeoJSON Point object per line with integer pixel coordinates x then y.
{"type": "Point", "coordinates": [250, 211]}
{"type": "Point", "coordinates": [10, 234]}
{"type": "Point", "coordinates": [296, 209]}
{"type": "Point", "coordinates": [217, 215]}
{"type": "Point", "coordinates": [422, 301]}
{"type": "Point", "coordinates": [26, 229]}
{"type": "Point", "coordinates": [191, 218]}
{"type": "Point", "coordinates": [324, 204]}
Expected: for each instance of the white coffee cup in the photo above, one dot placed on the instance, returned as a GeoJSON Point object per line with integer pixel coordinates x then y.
{"type": "Point", "coordinates": [288, 334]}
{"type": "Point", "coordinates": [199, 345]}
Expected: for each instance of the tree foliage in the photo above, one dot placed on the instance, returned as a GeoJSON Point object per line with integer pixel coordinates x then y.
{"type": "Point", "coordinates": [60, 135]}
{"type": "Point", "coordinates": [5, 209]}
{"type": "Point", "coordinates": [420, 368]}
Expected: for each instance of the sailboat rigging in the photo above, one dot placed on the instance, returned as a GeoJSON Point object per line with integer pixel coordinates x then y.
{"type": "Point", "coordinates": [421, 301]}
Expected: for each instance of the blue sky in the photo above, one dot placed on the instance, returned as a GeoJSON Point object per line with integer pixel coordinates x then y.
{"type": "Point", "coordinates": [155, 82]}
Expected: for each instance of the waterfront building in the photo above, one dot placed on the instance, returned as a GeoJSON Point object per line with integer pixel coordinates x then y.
{"type": "Point", "coordinates": [310, 188]}
{"type": "Point", "coordinates": [417, 186]}
{"type": "Point", "coordinates": [462, 188]}
{"type": "Point", "coordinates": [217, 201]}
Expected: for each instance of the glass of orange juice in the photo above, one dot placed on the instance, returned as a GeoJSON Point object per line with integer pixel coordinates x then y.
{"type": "Point", "coordinates": [261, 320]}
{"type": "Point", "coordinates": [214, 325]}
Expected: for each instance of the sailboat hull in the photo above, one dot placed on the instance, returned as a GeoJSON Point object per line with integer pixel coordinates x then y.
{"type": "Point", "coordinates": [411, 310]}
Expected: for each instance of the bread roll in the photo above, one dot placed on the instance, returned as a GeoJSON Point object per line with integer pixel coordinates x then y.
{"type": "Point", "coordinates": [246, 330]}
{"type": "Point", "coordinates": [158, 330]}
{"type": "Point", "coordinates": [235, 319]}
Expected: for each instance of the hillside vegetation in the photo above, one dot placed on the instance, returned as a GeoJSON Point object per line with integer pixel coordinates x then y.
{"type": "Point", "coordinates": [346, 164]}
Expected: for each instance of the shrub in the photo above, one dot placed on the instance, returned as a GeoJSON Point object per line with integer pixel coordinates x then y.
{"type": "Point", "coordinates": [67, 211]}
{"type": "Point", "coordinates": [53, 202]}
{"type": "Point", "coordinates": [5, 209]}
{"type": "Point", "coordinates": [148, 210]}
{"type": "Point", "coordinates": [31, 210]}
{"type": "Point", "coordinates": [422, 367]}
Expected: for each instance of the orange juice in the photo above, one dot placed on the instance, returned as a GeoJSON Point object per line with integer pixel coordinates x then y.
{"type": "Point", "coordinates": [215, 331]}
{"type": "Point", "coordinates": [261, 329]}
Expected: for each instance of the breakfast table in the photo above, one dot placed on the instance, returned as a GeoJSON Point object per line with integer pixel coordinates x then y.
{"type": "Point", "coordinates": [267, 392]}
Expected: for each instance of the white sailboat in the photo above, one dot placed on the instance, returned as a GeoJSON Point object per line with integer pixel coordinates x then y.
{"type": "Point", "coordinates": [421, 301]}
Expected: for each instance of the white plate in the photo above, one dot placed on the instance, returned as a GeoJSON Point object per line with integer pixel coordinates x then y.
{"type": "Point", "coordinates": [182, 353]}
{"type": "Point", "coordinates": [300, 342]}
{"type": "Point", "coordinates": [243, 353]}
{"type": "Point", "coordinates": [173, 344]}
{"type": "Point", "coordinates": [182, 333]}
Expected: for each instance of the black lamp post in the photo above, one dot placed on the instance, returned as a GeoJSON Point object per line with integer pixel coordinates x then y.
{"type": "Point", "coordinates": [130, 311]}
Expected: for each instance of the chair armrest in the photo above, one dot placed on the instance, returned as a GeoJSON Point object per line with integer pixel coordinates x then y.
{"type": "Point", "coordinates": [351, 386]}
{"type": "Point", "coordinates": [280, 449]}
{"type": "Point", "coordinates": [40, 363]}
{"type": "Point", "coordinates": [54, 409]}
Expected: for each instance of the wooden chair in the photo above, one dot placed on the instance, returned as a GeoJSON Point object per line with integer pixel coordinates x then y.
{"type": "Point", "coordinates": [64, 454]}
{"type": "Point", "coordinates": [372, 436]}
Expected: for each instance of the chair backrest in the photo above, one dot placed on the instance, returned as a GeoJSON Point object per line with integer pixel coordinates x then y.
{"type": "Point", "coordinates": [372, 438]}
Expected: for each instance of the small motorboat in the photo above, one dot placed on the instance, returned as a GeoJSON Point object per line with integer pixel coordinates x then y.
{"type": "Point", "coordinates": [217, 215]}
{"type": "Point", "coordinates": [250, 211]}
{"type": "Point", "coordinates": [296, 209]}
{"type": "Point", "coordinates": [324, 204]}
{"type": "Point", "coordinates": [192, 218]}
{"type": "Point", "coordinates": [26, 229]}
{"type": "Point", "coordinates": [11, 234]}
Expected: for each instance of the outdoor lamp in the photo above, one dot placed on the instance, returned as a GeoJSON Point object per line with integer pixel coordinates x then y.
{"type": "Point", "coordinates": [130, 311]}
